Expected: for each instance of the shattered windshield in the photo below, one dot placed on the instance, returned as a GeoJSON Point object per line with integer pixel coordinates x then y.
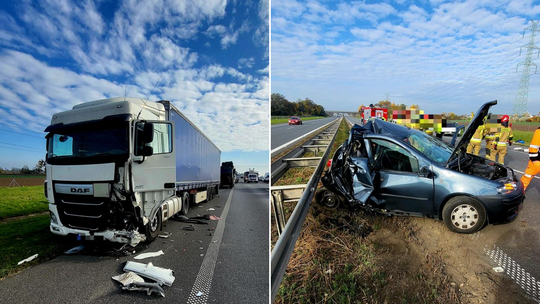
{"type": "Point", "coordinates": [87, 144]}
{"type": "Point", "coordinates": [435, 149]}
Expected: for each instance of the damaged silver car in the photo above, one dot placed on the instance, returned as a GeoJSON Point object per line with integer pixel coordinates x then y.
{"type": "Point", "coordinates": [395, 170]}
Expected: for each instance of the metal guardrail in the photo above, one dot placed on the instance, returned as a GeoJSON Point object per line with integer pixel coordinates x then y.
{"type": "Point", "coordinates": [284, 247]}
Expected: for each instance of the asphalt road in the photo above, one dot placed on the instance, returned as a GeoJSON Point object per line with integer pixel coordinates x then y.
{"type": "Point", "coordinates": [227, 264]}
{"type": "Point", "coordinates": [519, 240]}
{"type": "Point", "coordinates": [283, 133]}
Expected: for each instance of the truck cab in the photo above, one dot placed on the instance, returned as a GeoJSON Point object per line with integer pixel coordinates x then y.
{"type": "Point", "coordinates": [113, 170]}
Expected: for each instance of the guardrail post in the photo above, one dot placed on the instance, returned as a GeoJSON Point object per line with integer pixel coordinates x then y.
{"type": "Point", "coordinates": [277, 205]}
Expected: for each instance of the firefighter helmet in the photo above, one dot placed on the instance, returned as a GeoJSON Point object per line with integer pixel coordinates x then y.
{"type": "Point", "coordinates": [505, 118]}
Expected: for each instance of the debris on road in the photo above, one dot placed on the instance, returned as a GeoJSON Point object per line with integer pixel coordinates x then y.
{"type": "Point", "coordinates": [28, 259]}
{"type": "Point", "coordinates": [158, 274]}
{"type": "Point", "coordinates": [165, 235]}
{"type": "Point", "coordinates": [199, 294]}
{"type": "Point", "coordinates": [498, 269]}
{"type": "Point", "coordinates": [148, 255]}
{"type": "Point", "coordinates": [188, 228]}
{"type": "Point", "coordinates": [185, 219]}
{"type": "Point", "coordinates": [214, 218]}
{"type": "Point", "coordinates": [75, 250]}
{"type": "Point", "coordinates": [150, 288]}
{"type": "Point", "coordinates": [136, 238]}
{"type": "Point", "coordinates": [128, 278]}
{"type": "Point", "coordinates": [210, 209]}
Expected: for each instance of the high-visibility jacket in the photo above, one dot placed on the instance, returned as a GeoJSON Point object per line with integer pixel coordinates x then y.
{"type": "Point", "coordinates": [505, 136]}
{"type": "Point", "coordinates": [479, 134]}
{"type": "Point", "coordinates": [535, 146]}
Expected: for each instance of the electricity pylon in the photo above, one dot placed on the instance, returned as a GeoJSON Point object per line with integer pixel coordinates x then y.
{"type": "Point", "coordinates": [522, 97]}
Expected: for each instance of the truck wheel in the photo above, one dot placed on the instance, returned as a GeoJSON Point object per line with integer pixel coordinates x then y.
{"type": "Point", "coordinates": [185, 204]}
{"type": "Point", "coordinates": [231, 185]}
{"type": "Point", "coordinates": [217, 191]}
{"type": "Point", "coordinates": [153, 227]}
{"type": "Point", "coordinates": [464, 215]}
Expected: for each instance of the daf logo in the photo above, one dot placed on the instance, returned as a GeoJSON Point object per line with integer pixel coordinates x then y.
{"type": "Point", "coordinates": [80, 190]}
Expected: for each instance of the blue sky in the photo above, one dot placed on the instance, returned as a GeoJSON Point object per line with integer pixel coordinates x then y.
{"type": "Point", "coordinates": [209, 57]}
{"type": "Point", "coordinates": [444, 56]}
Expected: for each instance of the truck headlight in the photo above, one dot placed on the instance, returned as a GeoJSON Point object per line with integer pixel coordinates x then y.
{"type": "Point", "coordinates": [45, 189]}
{"type": "Point", "coordinates": [53, 217]}
{"type": "Point", "coordinates": [507, 188]}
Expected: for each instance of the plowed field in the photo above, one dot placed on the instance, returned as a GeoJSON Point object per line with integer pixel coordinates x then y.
{"type": "Point", "coordinates": [21, 180]}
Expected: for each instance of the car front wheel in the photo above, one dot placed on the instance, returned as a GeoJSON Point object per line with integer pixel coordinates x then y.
{"type": "Point", "coordinates": [464, 215]}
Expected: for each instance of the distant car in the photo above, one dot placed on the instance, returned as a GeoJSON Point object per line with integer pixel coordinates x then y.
{"type": "Point", "coordinates": [267, 178]}
{"type": "Point", "coordinates": [394, 170]}
{"type": "Point", "coordinates": [295, 120]}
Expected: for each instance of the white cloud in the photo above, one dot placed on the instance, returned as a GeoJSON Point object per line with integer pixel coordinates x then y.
{"type": "Point", "coordinates": [448, 57]}
{"type": "Point", "coordinates": [246, 62]}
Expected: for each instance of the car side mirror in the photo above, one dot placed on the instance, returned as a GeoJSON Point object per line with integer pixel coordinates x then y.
{"type": "Point", "coordinates": [425, 172]}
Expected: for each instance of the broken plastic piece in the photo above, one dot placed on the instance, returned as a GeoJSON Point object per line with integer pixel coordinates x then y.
{"type": "Point", "coordinates": [148, 287]}
{"type": "Point", "coordinates": [498, 269]}
{"type": "Point", "coordinates": [128, 278]}
{"type": "Point", "coordinates": [136, 238]}
{"type": "Point", "coordinates": [199, 294]}
{"type": "Point", "coordinates": [214, 218]}
{"type": "Point", "coordinates": [75, 250]}
{"type": "Point", "coordinates": [28, 259]}
{"type": "Point", "coordinates": [148, 255]}
{"type": "Point", "coordinates": [188, 228]}
{"type": "Point", "coordinates": [165, 235]}
{"type": "Point", "coordinates": [158, 274]}
{"type": "Point", "coordinates": [210, 209]}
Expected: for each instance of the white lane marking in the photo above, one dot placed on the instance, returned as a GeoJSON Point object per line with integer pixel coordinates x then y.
{"type": "Point", "coordinates": [524, 173]}
{"type": "Point", "coordinates": [516, 272]}
{"type": "Point", "coordinates": [203, 282]}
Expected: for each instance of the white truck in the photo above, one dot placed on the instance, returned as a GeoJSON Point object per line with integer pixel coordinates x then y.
{"type": "Point", "coordinates": [117, 168]}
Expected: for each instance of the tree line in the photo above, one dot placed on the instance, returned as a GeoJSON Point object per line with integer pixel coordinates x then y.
{"type": "Point", "coordinates": [280, 106]}
{"type": "Point", "coordinates": [38, 169]}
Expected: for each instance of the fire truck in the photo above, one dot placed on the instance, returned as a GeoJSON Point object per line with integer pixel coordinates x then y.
{"type": "Point", "coordinates": [370, 112]}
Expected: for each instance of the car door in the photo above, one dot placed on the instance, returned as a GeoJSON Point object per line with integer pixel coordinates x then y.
{"type": "Point", "coordinates": [402, 180]}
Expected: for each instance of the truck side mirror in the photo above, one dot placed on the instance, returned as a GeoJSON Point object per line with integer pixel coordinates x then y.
{"type": "Point", "coordinates": [147, 134]}
{"type": "Point", "coordinates": [147, 151]}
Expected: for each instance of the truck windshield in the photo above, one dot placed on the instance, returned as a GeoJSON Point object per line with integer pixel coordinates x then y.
{"type": "Point", "coordinates": [88, 145]}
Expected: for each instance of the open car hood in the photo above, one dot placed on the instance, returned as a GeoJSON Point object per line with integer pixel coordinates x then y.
{"type": "Point", "coordinates": [471, 128]}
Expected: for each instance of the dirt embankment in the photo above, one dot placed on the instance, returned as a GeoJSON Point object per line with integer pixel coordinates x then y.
{"type": "Point", "coordinates": [461, 259]}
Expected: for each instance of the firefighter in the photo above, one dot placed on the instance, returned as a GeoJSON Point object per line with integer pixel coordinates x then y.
{"type": "Point", "coordinates": [490, 137]}
{"type": "Point", "coordinates": [502, 140]}
{"type": "Point", "coordinates": [533, 167]}
{"type": "Point", "coordinates": [476, 140]}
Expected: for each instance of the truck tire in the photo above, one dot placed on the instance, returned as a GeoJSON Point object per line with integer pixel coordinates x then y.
{"type": "Point", "coordinates": [217, 191]}
{"type": "Point", "coordinates": [185, 204]}
{"type": "Point", "coordinates": [463, 214]}
{"type": "Point", "coordinates": [153, 227]}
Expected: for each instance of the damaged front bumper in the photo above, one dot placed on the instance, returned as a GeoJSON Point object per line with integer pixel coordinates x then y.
{"type": "Point", "coordinates": [131, 237]}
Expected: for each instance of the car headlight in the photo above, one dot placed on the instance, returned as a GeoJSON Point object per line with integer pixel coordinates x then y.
{"type": "Point", "coordinates": [507, 188]}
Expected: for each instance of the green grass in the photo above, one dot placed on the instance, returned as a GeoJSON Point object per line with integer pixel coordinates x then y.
{"type": "Point", "coordinates": [23, 238]}
{"type": "Point", "coordinates": [523, 135]}
{"type": "Point", "coordinates": [22, 201]}
{"type": "Point", "coordinates": [286, 120]}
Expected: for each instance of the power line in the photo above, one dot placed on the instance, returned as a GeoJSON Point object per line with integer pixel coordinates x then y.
{"type": "Point", "coordinates": [522, 97]}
